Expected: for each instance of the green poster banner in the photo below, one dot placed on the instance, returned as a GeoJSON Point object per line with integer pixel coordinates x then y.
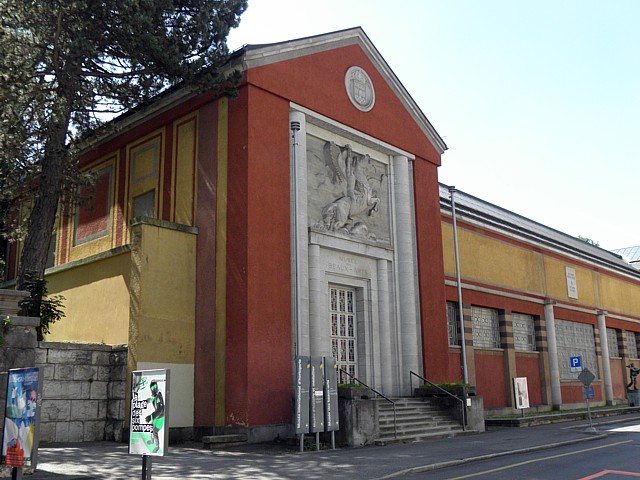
{"type": "Point", "coordinates": [149, 411]}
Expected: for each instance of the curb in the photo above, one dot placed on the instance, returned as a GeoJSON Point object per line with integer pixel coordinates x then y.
{"type": "Point", "coordinates": [453, 463]}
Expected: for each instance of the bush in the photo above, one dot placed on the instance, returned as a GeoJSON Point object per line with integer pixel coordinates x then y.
{"type": "Point", "coordinates": [38, 304]}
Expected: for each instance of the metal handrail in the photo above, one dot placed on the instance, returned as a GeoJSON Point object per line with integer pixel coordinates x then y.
{"type": "Point", "coordinates": [463, 402]}
{"type": "Point", "coordinates": [395, 426]}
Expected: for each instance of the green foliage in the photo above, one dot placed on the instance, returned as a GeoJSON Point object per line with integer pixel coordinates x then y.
{"type": "Point", "coordinates": [68, 66]}
{"type": "Point", "coordinates": [39, 304]}
{"type": "Point", "coordinates": [6, 325]}
{"type": "Point", "coordinates": [588, 240]}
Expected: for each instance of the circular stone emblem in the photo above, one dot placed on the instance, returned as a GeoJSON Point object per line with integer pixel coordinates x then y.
{"type": "Point", "coordinates": [359, 89]}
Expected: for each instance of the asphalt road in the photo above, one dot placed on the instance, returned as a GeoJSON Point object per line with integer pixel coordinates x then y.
{"type": "Point", "coordinates": [616, 457]}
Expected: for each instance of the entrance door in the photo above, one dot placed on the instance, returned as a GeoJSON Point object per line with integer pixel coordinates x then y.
{"type": "Point", "coordinates": [343, 330]}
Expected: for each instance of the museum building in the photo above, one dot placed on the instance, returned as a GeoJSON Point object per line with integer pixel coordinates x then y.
{"type": "Point", "coordinates": [304, 217]}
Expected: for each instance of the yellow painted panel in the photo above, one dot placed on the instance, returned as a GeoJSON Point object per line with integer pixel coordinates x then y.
{"type": "Point", "coordinates": [163, 291]}
{"type": "Point", "coordinates": [557, 282]}
{"type": "Point", "coordinates": [619, 295]}
{"type": "Point", "coordinates": [96, 302]}
{"type": "Point", "coordinates": [185, 171]}
{"type": "Point", "coordinates": [491, 261]}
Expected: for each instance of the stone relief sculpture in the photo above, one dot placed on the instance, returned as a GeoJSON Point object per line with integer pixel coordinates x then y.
{"type": "Point", "coordinates": [358, 178]}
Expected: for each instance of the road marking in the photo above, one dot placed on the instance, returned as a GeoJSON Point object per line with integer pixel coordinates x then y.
{"type": "Point", "coordinates": [506, 467]}
{"type": "Point", "coordinates": [607, 472]}
{"type": "Point", "coordinates": [629, 428]}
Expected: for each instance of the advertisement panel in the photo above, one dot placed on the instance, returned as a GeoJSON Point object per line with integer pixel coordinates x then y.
{"type": "Point", "coordinates": [521, 392]}
{"type": "Point", "coordinates": [149, 412]}
{"type": "Point", "coordinates": [21, 420]}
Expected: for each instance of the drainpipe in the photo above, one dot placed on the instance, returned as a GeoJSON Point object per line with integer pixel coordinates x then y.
{"type": "Point", "coordinates": [295, 127]}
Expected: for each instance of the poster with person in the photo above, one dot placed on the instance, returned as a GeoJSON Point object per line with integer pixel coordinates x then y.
{"type": "Point", "coordinates": [21, 419]}
{"type": "Point", "coordinates": [149, 411]}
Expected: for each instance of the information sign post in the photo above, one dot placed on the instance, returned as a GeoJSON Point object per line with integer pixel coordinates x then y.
{"type": "Point", "coordinates": [149, 421]}
{"type": "Point", "coordinates": [317, 398]}
{"type": "Point", "coordinates": [586, 377]}
{"type": "Point", "coordinates": [301, 414]}
{"type": "Point", "coordinates": [331, 417]}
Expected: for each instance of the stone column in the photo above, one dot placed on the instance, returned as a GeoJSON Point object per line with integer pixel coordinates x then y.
{"type": "Point", "coordinates": [385, 328]}
{"type": "Point", "coordinates": [606, 364]}
{"type": "Point", "coordinates": [319, 334]}
{"type": "Point", "coordinates": [406, 295]}
{"type": "Point", "coordinates": [299, 236]}
{"type": "Point", "coordinates": [506, 337]}
{"type": "Point", "coordinates": [554, 369]}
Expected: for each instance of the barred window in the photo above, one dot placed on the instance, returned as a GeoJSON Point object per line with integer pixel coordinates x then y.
{"type": "Point", "coordinates": [575, 339]}
{"type": "Point", "coordinates": [486, 331]}
{"type": "Point", "coordinates": [631, 344]}
{"type": "Point", "coordinates": [524, 336]}
{"type": "Point", "coordinates": [343, 330]}
{"type": "Point", "coordinates": [612, 342]}
{"type": "Point", "coordinates": [453, 323]}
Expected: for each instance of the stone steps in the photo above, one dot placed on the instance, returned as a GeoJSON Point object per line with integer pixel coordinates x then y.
{"type": "Point", "coordinates": [416, 420]}
{"type": "Point", "coordinates": [212, 442]}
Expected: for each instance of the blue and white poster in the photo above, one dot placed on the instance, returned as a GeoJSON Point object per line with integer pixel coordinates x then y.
{"type": "Point", "coordinates": [149, 412]}
{"type": "Point", "coordinates": [21, 421]}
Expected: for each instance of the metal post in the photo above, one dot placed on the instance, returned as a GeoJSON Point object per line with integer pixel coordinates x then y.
{"type": "Point", "coordinates": [452, 191]}
{"type": "Point", "coordinates": [16, 473]}
{"type": "Point", "coordinates": [295, 127]}
{"type": "Point", "coordinates": [146, 467]}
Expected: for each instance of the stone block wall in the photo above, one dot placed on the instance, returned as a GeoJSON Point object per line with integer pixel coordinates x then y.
{"type": "Point", "coordinates": [84, 391]}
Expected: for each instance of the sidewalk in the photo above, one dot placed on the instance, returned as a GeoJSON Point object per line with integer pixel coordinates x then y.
{"type": "Point", "coordinates": [106, 460]}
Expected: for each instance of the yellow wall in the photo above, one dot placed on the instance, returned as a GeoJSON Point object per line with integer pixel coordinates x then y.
{"type": "Point", "coordinates": [491, 261]}
{"type": "Point", "coordinates": [163, 295]}
{"type": "Point", "coordinates": [96, 301]}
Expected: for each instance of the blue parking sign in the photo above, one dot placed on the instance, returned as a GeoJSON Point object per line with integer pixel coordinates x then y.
{"type": "Point", "coordinates": [575, 363]}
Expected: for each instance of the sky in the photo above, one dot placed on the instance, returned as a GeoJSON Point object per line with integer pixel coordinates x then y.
{"type": "Point", "coordinates": [538, 102]}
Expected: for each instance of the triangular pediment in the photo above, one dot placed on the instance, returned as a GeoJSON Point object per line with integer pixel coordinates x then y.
{"type": "Point", "coordinates": [255, 56]}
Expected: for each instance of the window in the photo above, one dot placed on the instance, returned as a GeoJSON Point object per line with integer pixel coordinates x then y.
{"type": "Point", "coordinates": [93, 215]}
{"type": "Point", "coordinates": [486, 331]}
{"type": "Point", "coordinates": [612, 342]}
{"type": "Point", "coordinates": [343, 331]}
{"type": "Point", "coordinates": [575, 339]}
{"type": "Point", "coordinates": [453, 323]}
{"type": "Point", "coordinates": [144, 205]}
{"type": "Point", "coordinates": [524, 337]}
{"type": "Point", "coordinates": [631, 343]}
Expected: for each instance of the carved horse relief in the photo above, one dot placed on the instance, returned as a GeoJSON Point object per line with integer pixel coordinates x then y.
{"type": "Point", "coordinates": [357, 175]}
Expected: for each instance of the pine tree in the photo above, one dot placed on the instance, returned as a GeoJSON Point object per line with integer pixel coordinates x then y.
{"type": "Point", "coordinates": [68, 65]}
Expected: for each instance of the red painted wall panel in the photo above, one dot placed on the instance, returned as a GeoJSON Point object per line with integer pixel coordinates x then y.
{"type": "Point", "coordinates": [236, 375]}
{"type": "Point", "coordinates": [204, 361]}
{"type": "Point", "coordinates": [618, 379]}
{"type": "Point", "coordinates": [573, 393]}
{"type": "Point", "coordinates": [529, 366]}
{"type": "Point", "coordinates": [454, 367]}
{"type": "Point", "coordinates": [433, 313]}
{"type": "Point", "coordinates": [258, 296]}
{"type": "Point", "coordinates": [269, 259]}
{"type": "Point", "coordinates": [490, 379]}
{"type": "Point", "coordinates": [317, 82]}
